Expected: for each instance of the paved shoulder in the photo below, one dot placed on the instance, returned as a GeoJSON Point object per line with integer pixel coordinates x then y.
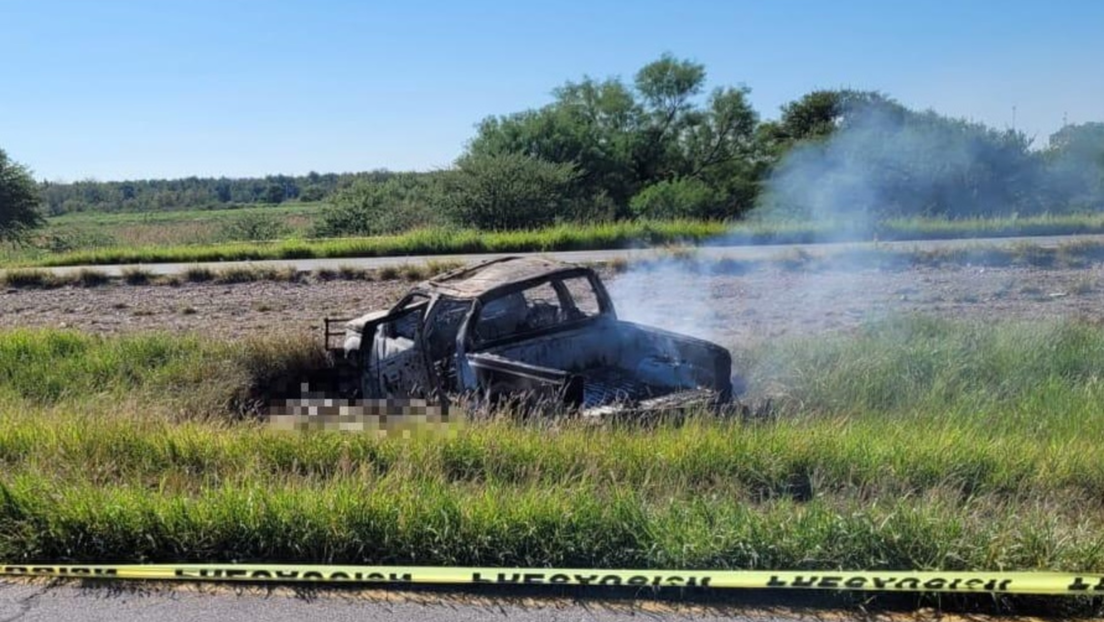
{"type": "Point", "coordinates": [41, 602]}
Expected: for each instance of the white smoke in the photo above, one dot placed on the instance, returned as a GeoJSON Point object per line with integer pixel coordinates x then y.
{"type": "Point", "coordinates": [843, 186]}
{"type": "Point", "coordinates": [670, 294]}
{"type": "Point", "coordinates": [885, 161]}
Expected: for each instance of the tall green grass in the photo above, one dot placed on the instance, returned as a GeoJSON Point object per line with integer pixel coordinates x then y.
{"type": "Point", "coordinates": [418, 242]}
{"type": "Point", "coordinates": [563, 237]}
{"type": "Point", "coordinates": [47, 367]}
{"type": "Point", "coordinates": [1007, 226]}
{"type": "Point", "coordinates": [913, 443]}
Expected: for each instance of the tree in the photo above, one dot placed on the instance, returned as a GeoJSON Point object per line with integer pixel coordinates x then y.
{"type": "Point", "coordinates": [818, 114]}
{"type": "Point", "coordinates": [859, 158]}
{"type": "Point", "coordinates": [312, 193]}
{"type": "Point", "coordinates": [681, 198]}
{"type": "Point", "coordinates": [273, 193]}
{"type": "Point", "coordinates": [368, 207]}
{"type": "Point", "coordinates": [510, 191]}
{"type": "Point", "coordinates": [591, 126]}
{"type": "Point", "coordinates": [1075, 165]}
{"type": "Point", "coordinates": [666, 87]}
{"type": "Point", "coordinates": [622, 139]}
{"type": "Point", "coordinates": [19, 200]}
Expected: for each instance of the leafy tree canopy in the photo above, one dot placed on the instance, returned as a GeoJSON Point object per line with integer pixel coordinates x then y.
{"type": "Point", "coordinates": [19, 199]}
{"type": "Point", "coordinates": [510, 191]}
{"type": "Point", "coordinates": [624, 138]}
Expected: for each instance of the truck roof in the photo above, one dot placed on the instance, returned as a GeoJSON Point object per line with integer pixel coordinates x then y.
{"type": "Point", "coordinates": [482, 279]}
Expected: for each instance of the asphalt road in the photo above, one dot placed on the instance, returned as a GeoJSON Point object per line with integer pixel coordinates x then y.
{"type": "Point", "coordinates": [41, 601]}
{"type": "Point", "coordinates": [757, 252]}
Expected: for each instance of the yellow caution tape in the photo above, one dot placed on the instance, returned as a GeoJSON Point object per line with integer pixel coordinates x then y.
{"type": "Point", "coordinates": [1043, 583]}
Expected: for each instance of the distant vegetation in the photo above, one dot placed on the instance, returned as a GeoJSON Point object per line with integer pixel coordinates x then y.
{"type": "Point", "coordinates": [191, 193]}
{"type": "Point", "coordinates": [659, 147]}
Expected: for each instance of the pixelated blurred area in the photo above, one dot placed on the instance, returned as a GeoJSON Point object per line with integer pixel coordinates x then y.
{"type": "Point", "coordinates": [384, 417]}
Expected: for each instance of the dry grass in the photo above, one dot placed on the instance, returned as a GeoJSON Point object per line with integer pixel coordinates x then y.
{"type": "Point", "coordinates": [86, 277]}
{"type": "Point", "coordinates": [353, 273]}
{"type": "Point", "coordinates": [413, 272]}
{"type": "Point", "coordinates": [325, 274]}
{"type": "Point", "coordinates": [618, 265]}
{"type": "Point", "coordinates": [30, 278]}
{"type": "Point", "coordinates": [199, 274]}
{"type": "Point", "coordinates": [137, 276]}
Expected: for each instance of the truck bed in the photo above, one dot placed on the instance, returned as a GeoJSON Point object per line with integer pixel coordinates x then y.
{"type": "Point", "coordinates": [612, 385]}
{"type": "Point", "coordinates": [616, 364]}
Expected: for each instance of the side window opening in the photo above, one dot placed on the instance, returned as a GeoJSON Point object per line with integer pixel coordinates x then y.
{"type": "Point", "coordinates": [541, 306]}
{"type": "Point", "coordinates": [406, 326]}
{"type": "Point", "coordinates": [583, 298]}
{"type": "Point", "coordinates": [441, 332]}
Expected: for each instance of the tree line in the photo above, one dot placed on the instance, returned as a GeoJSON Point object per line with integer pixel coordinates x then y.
{"type": "Point", "coordinates": [194, 192]}
{"type": "Point", "coordinates": [664, 146]}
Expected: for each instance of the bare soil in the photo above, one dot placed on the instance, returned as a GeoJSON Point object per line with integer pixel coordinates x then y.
{"type": "Point", "coordinates": [733, 309]}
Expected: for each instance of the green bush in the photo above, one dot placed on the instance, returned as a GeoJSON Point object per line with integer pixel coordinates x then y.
{"type": "Point", "coordinates": [19, 200]}
{"type": "Point", "coordinates": [398, 204]}
{"type": "Point", "coordinates": [510, 191]}
{"type": "Point", "coordinates": [255, 227]}
{"type": "Point", "coordinates": [312, 193]}
{"type": "Point", "coordinates": [680, 198]}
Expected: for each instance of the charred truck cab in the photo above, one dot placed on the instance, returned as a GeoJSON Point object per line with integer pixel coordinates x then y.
{"type": "Point", "coordinates": [533, 329]}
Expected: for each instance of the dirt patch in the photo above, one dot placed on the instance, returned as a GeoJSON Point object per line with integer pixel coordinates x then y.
{"type": "Point", "coordinates": [764, 304]}
{"type": "Point", "coordinates": [773, 303]}
{"type": "Point", "coordinates": [225, 311]}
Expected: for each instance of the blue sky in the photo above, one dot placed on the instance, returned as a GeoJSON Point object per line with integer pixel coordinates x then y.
{"type": "Point", "coordinates": [116, 89]}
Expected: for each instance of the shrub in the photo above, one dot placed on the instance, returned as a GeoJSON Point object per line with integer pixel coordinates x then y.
{"type": "Point", "coordinates": [681, 198]}
{"type": "Point", "coordinates": [413, 272]}
{"type": "Point", "coordinates": [510, 191]}
{"type": "Point", "coordinates": [136, 276]}
{"type": "Point", "coordinates": [287, 273]}
{"type": "Point", "coordinates": [374, 208]}
{"type": "Point", "coordinates": [256, 226]}
{"type": "Point", "coordinates": [239, 274]}
{"type": "Point", "coordinates": [30, 279]}
{"type": "Point", "coordinates": [325, 274]}
{"type": "Point", "coordinates": [198, 274]}
{"type": "Point", "coordinates": [353, 273]}
{"type": "Point", "coordinates": [90, 278]}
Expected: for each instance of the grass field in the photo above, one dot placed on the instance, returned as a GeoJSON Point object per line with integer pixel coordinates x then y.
{"type": "Point", "coordinates": [218, 235]}
{"type": "Point", "coordinates": [915, 444]}
{"type": "Point", "coordinates": [287, 211]}
{"type": "Point", "coordinates": [89, 230]}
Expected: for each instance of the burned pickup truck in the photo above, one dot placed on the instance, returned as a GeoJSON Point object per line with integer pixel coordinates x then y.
{"type": "Point", "coordinates": [530, 329]}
